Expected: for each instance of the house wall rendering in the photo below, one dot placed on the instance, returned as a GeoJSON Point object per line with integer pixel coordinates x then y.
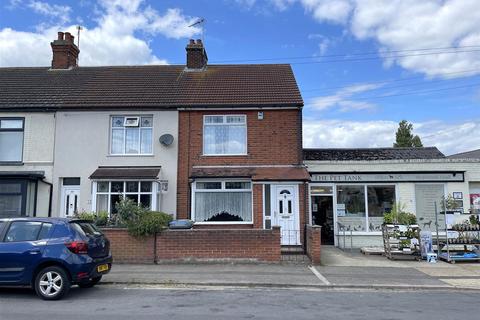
{"type": "Point", "coordinates": [87, 140]}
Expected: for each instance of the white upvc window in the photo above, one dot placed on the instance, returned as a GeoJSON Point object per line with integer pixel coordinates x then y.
{"type": "Point", "coordinates": [225, 135]}
{"type": "Point", "coordinates": [11, 139]}
{"type": "Point", "coordinates": [217, 201]}
{"type": "Point", "coordinates": [131, 135]}
{"type": "Point", "coordinates": [107, 194]}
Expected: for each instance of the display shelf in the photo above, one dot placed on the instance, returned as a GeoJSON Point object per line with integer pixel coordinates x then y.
{"type": "Point", "coordinates": [461, 241]}
{"type": "Point", "coordinates": [401, 241]}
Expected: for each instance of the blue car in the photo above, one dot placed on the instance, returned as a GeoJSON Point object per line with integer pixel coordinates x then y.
{"type": "Point", "coordinates": [52, 254]}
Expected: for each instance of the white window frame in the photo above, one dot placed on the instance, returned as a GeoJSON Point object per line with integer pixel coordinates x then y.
{"type": "Point", "coordinates": [365, 185]}
{"type": "Point", "coordinates": [124, 127]}
{"type": "Point", "coordinates": [223, 189]}
{"type": "Point", "coordinates": [154, 205]}
{"type": "Point", "coordinates": [22, 130]}
{"type": "Point", "coordinates": [244, 116]}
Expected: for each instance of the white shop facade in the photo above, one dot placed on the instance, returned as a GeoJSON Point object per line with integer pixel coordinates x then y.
{"type": "Point", "coordinates": [351, 197]}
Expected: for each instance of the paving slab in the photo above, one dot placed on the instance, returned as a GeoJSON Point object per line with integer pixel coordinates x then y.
{"type": "Point", "coordinates": [261, 274]}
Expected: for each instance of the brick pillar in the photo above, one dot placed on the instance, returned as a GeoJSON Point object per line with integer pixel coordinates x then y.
{"type": "Point", "coordinates": [314, 243]}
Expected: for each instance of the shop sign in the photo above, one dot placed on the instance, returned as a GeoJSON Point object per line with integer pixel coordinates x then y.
{"type": "Point", "coordinates": [390, 177]}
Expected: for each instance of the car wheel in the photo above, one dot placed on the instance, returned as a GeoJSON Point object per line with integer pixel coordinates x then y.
{"type": "Point", "coordinates": [90, 283]}
{"type": "Point", "coordinates": [52, 283]}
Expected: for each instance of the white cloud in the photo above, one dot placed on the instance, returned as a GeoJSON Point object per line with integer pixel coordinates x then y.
{"type": "Point", "coordinates": [62, 13]}
{"type": "Point", "coordinates": [448, 137]}
{"type": "Point", "coordinates": [405, 25]}
{"type": "Point", "coordinates": [114, 41]}
{"type": "Point", "coordinates": [341, 99]}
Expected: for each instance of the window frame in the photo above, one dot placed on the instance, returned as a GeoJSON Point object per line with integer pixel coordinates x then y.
{"type": "Point", "coordinates": [222, 189]}
{"type": "Point", "coordinates": [155, 190]}
{"type": "Point", "coordinates": [244, 116]}
{"type": "Point", "coordinates": [334, 195]}
{"type": "Point", "coordinates": [22, 129]}
{"type": "Point", "coordinates": [111, 128]}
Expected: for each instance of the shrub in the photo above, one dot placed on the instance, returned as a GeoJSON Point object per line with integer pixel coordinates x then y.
{"type": "Point", "coordinates": [148, 223]}
{"type": "Point", "coordinates": [101, 218]}
{"type": "Point", "coordinates": [128, 211]}
{"type": "Point", "coordinates": [89, 216]}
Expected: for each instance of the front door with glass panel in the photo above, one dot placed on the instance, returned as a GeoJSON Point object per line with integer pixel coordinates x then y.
{"type": "Point", "coordinates": [71, 201]}
{"type": "Point", "coordinates": [285, 213]}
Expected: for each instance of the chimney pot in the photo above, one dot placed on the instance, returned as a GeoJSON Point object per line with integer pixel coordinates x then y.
{"type": "Point", "coordinates": [192, 41]}
{"type": "Point", "coordinates": [60, 35]}
{"type": "Point", "coordinates": [199, 41]}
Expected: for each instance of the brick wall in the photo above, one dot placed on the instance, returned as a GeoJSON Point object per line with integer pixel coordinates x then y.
{"type": "Point", "coordinates": [128, 249]}
{"type": "Point", "coordinates": [314, 243]}
{"type": "Point", "coordinates": [275, 140]}
{"type": "Point", "coordinates": [197, 244]}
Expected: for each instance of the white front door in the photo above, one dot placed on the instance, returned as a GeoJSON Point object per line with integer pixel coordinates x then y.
{"type": "Point", "coordinates": [70, 200]}
{"type": "Point", "coordinates": [285, 214]}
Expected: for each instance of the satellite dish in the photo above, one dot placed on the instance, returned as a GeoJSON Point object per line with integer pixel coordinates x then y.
{"type": "Point", "coordinates": [166, 139]}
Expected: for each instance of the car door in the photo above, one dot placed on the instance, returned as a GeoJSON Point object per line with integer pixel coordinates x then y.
{"type": "Point", "coordinates": [21, 250]}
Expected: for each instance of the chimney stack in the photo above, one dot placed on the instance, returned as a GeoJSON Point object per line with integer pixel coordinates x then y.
{"type": "Point", "coordinates": [65, 52]}
{"type": "Point", "coordinates": [196, 55]}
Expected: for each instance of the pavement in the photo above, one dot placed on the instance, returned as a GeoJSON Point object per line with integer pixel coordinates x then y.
{"type": "Point", "coordinates": [338, 270]}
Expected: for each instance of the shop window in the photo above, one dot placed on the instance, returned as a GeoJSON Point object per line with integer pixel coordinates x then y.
{"type": "Point", "coordinates": [225, 135]}
{"type": "Point", "coordinates": [351, 207]}
{"type": "Point", "coordinates": [381, 199]}
{"type": "Point", "coordinates": [222, 201]}
{"type": "Point", "coordinates": [109, 193]}
{"type": "Point", "coordinates": [11, 139]}
{"type": "Point", "coordinates": [359, 213]}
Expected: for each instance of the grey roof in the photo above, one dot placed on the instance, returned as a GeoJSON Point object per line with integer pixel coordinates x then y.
{"type": "Point", "coordinates": [359, 154]}
{"type": "Point", "coordinates": [474, 154]}
{"type": "Point", "coordinates": [126, 173]}
{"type": "Point", "coordinates": [167, 86]}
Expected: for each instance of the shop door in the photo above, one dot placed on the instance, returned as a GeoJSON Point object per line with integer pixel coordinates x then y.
{"type": "Point", "coordinates": [71, 199]}
{"type": "Point", "coordinates": [322, 215]}
{"type": "Point", "coordinates": [286, 214]}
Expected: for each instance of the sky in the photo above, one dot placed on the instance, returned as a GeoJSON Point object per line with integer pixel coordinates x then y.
{"type": "Point", "coordinates": [362, 65]}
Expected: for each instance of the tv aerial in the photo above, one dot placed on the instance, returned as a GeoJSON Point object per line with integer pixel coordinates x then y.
{"type": "Point", "coordinates": [200, 22]}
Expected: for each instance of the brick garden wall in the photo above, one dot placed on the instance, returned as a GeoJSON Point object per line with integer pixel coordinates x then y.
{"type": "Point", "coordinates": [314, 243]}
{"type": "Point", "coordinates": [197, 244]}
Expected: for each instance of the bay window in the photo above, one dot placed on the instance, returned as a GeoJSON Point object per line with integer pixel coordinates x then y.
{"type": "Point", "coordinates": [222, 201]}
{"type": "Point", "coordinates": [11, 139]}
{"type": "Point", "coordinates": [131, 135]}
{"type": "Point", "coordinates": [225, 135]}
{"type": "Point", "coordinates": [109, 193]}
{"type": "Point", "coordinates": [361, 207]}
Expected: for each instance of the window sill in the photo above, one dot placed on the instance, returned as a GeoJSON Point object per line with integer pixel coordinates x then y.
{"type": "Point", "coordinates": [130, 155]}
{"type": "Point", "coordinates": [222, 222]}
{"type": "Point", "coordinates": [11, 163]}
{"type": "Point", "coordinates": [225, 155]}
{"type": "Point", "coordinates": [360, 233]}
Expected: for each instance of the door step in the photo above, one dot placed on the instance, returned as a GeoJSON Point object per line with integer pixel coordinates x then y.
{"type": "Point", "coordinates": [294, 254]}
{"type": "Point", "coordinates": [292, 250]}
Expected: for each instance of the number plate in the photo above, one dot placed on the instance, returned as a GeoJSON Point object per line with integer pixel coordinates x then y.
{"type": "Point", "coordinates": [102, 268]}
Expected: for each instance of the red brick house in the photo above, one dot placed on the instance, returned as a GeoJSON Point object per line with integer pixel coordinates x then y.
{"type": "Point", "coordinates": [240, 146]}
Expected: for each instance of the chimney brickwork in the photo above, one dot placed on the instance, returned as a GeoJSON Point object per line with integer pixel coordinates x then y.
{"type": "Point", "coordinates": [196, 55]}
{"type": "Point", "coordinates": [65, 52]}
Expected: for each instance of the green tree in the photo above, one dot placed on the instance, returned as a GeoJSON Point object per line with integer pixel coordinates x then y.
{"type": "Point", "coordinates": [405, 137]}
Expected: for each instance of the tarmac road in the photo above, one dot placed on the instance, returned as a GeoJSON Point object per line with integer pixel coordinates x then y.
{"type": "Point", "coordinates": [157, 302]}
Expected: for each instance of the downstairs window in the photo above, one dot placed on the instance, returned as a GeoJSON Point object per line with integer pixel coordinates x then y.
{"type": "Point", "coordinates": [222, 201]}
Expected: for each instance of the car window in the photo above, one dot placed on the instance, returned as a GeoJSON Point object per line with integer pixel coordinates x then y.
{"type": "Point", "coordinates": [23, 231]}
{"type": "Point", "coordinates": [46, 227]}
{"type": "Point", "coordinates": [86, 228]}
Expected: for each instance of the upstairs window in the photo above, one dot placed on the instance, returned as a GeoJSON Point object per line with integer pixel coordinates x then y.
{"type": "Point", "coordinates": [131, 135]}
{"type": "Point", "coordinates": [11, 139]}
{"type": "Point", "coordinates": [225, 135]}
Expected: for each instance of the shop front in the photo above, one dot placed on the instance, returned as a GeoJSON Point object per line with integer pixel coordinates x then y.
{"type": "Point", "coordinates": [349, 198]}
